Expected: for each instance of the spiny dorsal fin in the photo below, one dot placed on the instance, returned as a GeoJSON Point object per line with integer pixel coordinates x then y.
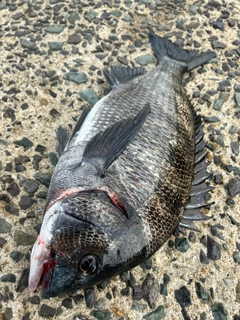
{"type": "Point", "coordinates": [107, 145]}
{"type": "Point", "coordinates": [199, 188]}
{"type": "Point", "coordinates": [120, 74]}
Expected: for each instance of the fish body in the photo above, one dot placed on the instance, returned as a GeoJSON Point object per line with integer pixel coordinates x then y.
{"type": "Point", "coordinates": [132, 172]}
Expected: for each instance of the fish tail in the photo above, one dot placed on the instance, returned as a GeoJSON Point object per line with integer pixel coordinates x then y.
{"type": "Point", "coordinates": [166, 49]}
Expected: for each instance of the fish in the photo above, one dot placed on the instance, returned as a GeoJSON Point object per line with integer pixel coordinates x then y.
{"type": "Point", "coordinates": [132, 172]}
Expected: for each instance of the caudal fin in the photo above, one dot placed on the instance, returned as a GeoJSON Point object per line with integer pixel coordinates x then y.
{"type": "Point", "coordinates": [166, 49]}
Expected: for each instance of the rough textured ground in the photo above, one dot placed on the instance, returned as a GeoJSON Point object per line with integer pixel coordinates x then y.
{"type": "Point", "coordinates": [52, 56]}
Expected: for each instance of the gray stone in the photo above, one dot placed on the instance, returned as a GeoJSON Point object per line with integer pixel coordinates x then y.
{"type": "Point", "coordinates": [16, 255]}
{"type": "Point", "coordinates": [223, 97]}
{"type": "Point", "coordinates": [193, 9]}
{"type": "Point", "coordinates": [90, 96]}
{"type": "Point", "coordinates": [55, 46]}
{"type": "Point", "coordinates": [24, 142]}
{"type": "Point", "coordinates": [158, 314]}
{"type": "Point", "coordinates": [233, 187]}
{"type": "Point", "coordinates": [237, 98]}
{"type": "Point", "coordinates": [30, 185]}
{"type": "Point", "coordinates": [23, 238]}
{"type": "Point", "coordinates": [76, 77]}
{"type": "Point", "coordinates": [201, 293]}
{"type": "Point", "coordinates": [74, 16]}
{"type": "Point", "coordinates": [181, 244]}
{"type": "Point", "coordinates": [5, 226]}
{"type": "Point", "coordinates": [151, 22]}
{"type": "Point", "coordinates": [26, 202]}
{"type": "Point", "coordinates": [220, 140]}
{"type": "Point", "coordinates": [74, 39]}
{"type": "Point", "coordinates": [13, 189]}
{"type": "Point", "coordinates": [219, 312]}
{"type": "Point", "coordinates": [235, 147]}
{"type": "Point", "coordinates": [236, 256]}
{"type": "Point", "coordinates": [28, 44]}
{"type": "Point", "coordinates": [218, 45]}
{"type": "Point", "coordinates": [211, 119]}
{"type": "Point", "coordinates": [43, 178]}
{"type": "Point", "coordinates": [3, 6]}
{"type": "Point", "coordinates": [101, 314]}
{"type": "Point", "coordinates": [90, 15]}
{"type": "Point", "coordinates": [213, 249]}
{"type": "Point", "coordinates": [47, 311]}
{"type": "Point", "coordinates": [150, 290]}
{"type": "Point", "coordinates": [138, 306]}
{"type": "Point", "coordinates": [9, 277]}
{"type": "Point", "coordinates": [145, 59]}
{"type": "Point", "coordinates": [116, 13]}
{"type": "Point", "coordinates": [55, 29]}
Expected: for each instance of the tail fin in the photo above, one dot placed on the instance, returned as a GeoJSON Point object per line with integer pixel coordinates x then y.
{"type": "Point", "coordinates": [191, 59]}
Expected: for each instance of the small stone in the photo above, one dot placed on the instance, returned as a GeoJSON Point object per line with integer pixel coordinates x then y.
{"type": "Point", "coordinates": [213, 249]}
{"type": "Point", "coordinates": [67, 303]}
{"type": "Point", "coordinates": [12, 209]}
{"type": "Point", "coordinates": [16, 255]}
{"type": "Point", "coordinates": [219, 312]}
{"type": "Point", "coordinates": [76, 77]}
{"type": "Point", "coordinates": [163, 287]}
{"type": "Point", "coordinates": [238, 292]}
{"type": "Point", "coordinates": [42, 195]}
{"type": "Point", "coordinates": [13, 189]}
{"type": "Point", "coordinates": [56, 28]}
{"type": "Point", "coordinates": [90, 15]}
{"type": "Point", "coordinates": [74, 16]}
{"type": "Point", "coordinates": [30, 185]}
{"type": "Point", "coordinates": [5, 226]}
{"type": "Point", "coordinates": [28, 44]}
{"type": "Point", "coordinates": [193, 25]}
{"type": "Point", "coordinates": [26, 202]}
{"type": "Point", "coordinates": [201, 293]}
{"type": "Point", "coordinates": [90, 297]}
{"type": "Point", "coordinates": [101, 314]}
{"type": "Point", "coordinates": [100, 303]}
{"type": "Point", "coordinates": [23, 238]}
{"type": "Point", "coordinates": [10, 277]}
{"type": "Point", "coordinates": [146, 265]}
{"type": "Point", "coordinates": [47, 311]}
{"type": "Point", "coordinates": [223, 97]}
{"type": "Point", "coordinates": [145, 59]}
{"type": "Point", "coordinates": [4, 197]}
{"type": "Point", "coordinates": [183, 297]}
{"type": "Point", "coordinates": [211, 119]}
{"type": "Point", "coordinates": [158, 314]}
{"type": "Point", "coordinates": [90, 96]}
{"type": "Point", "coordinates": [123, 60]}
{"type": "Point", "coordinates": [43, 178]}
{"type": "Point", "coordinates": [55, 45]}
{"type": "Point", "coordinates": [24, 142]}
{"type": "Point", "coordinates": [9, 113]}
{"type": "Point", "coordinates": [218, 25]}
{"type": "Point", "coordinates": [2, 242]}
{"type": "Point", "coordinates": [203, 257]}
{"type": "Point", "coordinates": [181, 244]}
{"type": "Point", "coordinates": [236, 256]}
{"type": "Point", "coordinates": [138, 306]}
{"type": "Point", "coordinates": [192, 237]}
{"type": "Point", "coordinates": [74, 39]}
{"type": "Point", "coordinates": [237, 98]}
{"type": "Point", "coordinates": [218, 178]}
{"type": "Point", "coordinates": [150, 290]}
{"type": "Point", "coordinates": [218, 45]}
{"type": "Point", "coordinates": [233, 187]}
{"type": "Point", "coordinates": [7, 315]}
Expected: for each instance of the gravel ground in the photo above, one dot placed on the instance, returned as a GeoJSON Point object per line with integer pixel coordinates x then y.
{"type": "Point", "coordinates": [52, 56]}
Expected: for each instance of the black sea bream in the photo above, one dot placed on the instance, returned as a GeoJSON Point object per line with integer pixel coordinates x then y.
{"type": "Point", "coordinates": [132, 171]}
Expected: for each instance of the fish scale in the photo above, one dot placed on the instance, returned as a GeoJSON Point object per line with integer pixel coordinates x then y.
{"type": "Point", "coordinates": [131, 172]}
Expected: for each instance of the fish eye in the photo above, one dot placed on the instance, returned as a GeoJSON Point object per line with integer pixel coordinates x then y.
{"type": "Point", "coordinates": [88, 265]}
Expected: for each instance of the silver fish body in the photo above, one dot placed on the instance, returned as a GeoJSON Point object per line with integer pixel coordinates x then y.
{"type": "Point", "coordinates": [122, 184]}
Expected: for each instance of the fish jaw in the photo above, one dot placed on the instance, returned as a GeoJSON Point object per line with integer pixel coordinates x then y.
{"type": "Point", "coordinates": [41, 253]}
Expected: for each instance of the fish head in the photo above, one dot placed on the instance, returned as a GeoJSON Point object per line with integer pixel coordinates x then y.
{"type": "Point", "coordinates": [84, 240]}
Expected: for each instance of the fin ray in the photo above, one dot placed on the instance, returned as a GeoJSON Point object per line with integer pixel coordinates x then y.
{"type": "Point", "coordinates": [120, 74]}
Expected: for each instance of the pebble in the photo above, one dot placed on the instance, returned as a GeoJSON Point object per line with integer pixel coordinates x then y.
{"type": "Point", "coordinates": [67, 303]}
{"type": "Point", "coordinates": [25, 202]}
{"type": "Point", "coordinates": [183, 297]}
{"type": "Point", "coordinates": [4, 197]}
{"type": "Point", "coordinates": [90, 297]}
{"type": "Point", "coordinates": [23, 281]}
{"type": "Point", "coordinates": [218, 45]}
{"type": "Point", "coordinates": [138, 306]}
{"type": "Point", "coordinates": [55, 29]}
{"type": "Point", "coordinates": [237, 98]}
{"type": "Point", "coordinates": [16, 256]}
{"type": "Point", "coordinates": [144, 60]}
{"type": "Point", "coordinates": [7, 315]}
{"type": "Point", "coordinates": [233, 187]}
{"type": "Point", "coordinates": [30, 185]}
{"type": "Point", "coordinates": [24, 142]}
{"type": "Point", "coordinates": [219, 312]}
{"type": "Point", "coordinates": [158, 314]}
{"type": "Point", "coordinates": [181, 244]}
{"type": "Point", "coordinates": [10, 277]}
{"type": "Point", "coordinates": [90, 96]}
{"type": "Point", "coordinates": [223, 97]}
{"type": "Point", "coordinates": [43, 178]}
{"type": "Point", "coordinates": [12, 209]}
{"type": "Point", "coordinates": [76, 77]}
{"type": "Point", "coordinates": [236, 256]}
{"type": "Point", "coordinates": [2, 242]}
{"type": "Point", "coordinates": [201, 293]}
{"type": "Point", "coordinates": [74, 17]}
{"type": "Point", "coordinates": [213, 249]}
{"type": "Point", "coordinates": [163, 287]}
{"type": "Point", "coordinates": [150, 290]}
{"type": "Point", "coordinates": [5, 226]}
{"type": "Point", "coordinates": [55, 45]}
{"type": "Point", "coordinates": [74, 39]}
{"type": "Point", "coordinates": [203, 257]}
{"type": "Point", "coordinates": [101, 314]}
{"type": "Point", "coordinates": [23, 239]}
{"type": "Point", "coordinates": [28, 44]}
{"type": "Point", "coordinates": [47, 311]}
{"type": "Point", "coordinates": [218, 25]}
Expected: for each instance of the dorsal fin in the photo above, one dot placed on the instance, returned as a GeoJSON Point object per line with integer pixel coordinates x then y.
{"type": "Point", "coordinates": [199, 188]}
{"type": "Point", "coordinates": [120, 74]}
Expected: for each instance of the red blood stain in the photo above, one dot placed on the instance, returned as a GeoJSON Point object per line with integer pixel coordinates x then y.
{"type": "Point", "coordinates": [48, 268]}
{"type": "Point", "coordinates": [119, 205]}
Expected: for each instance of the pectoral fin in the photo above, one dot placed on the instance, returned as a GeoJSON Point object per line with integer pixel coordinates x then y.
{"type": "Point", "coordinates": [107, 145]}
